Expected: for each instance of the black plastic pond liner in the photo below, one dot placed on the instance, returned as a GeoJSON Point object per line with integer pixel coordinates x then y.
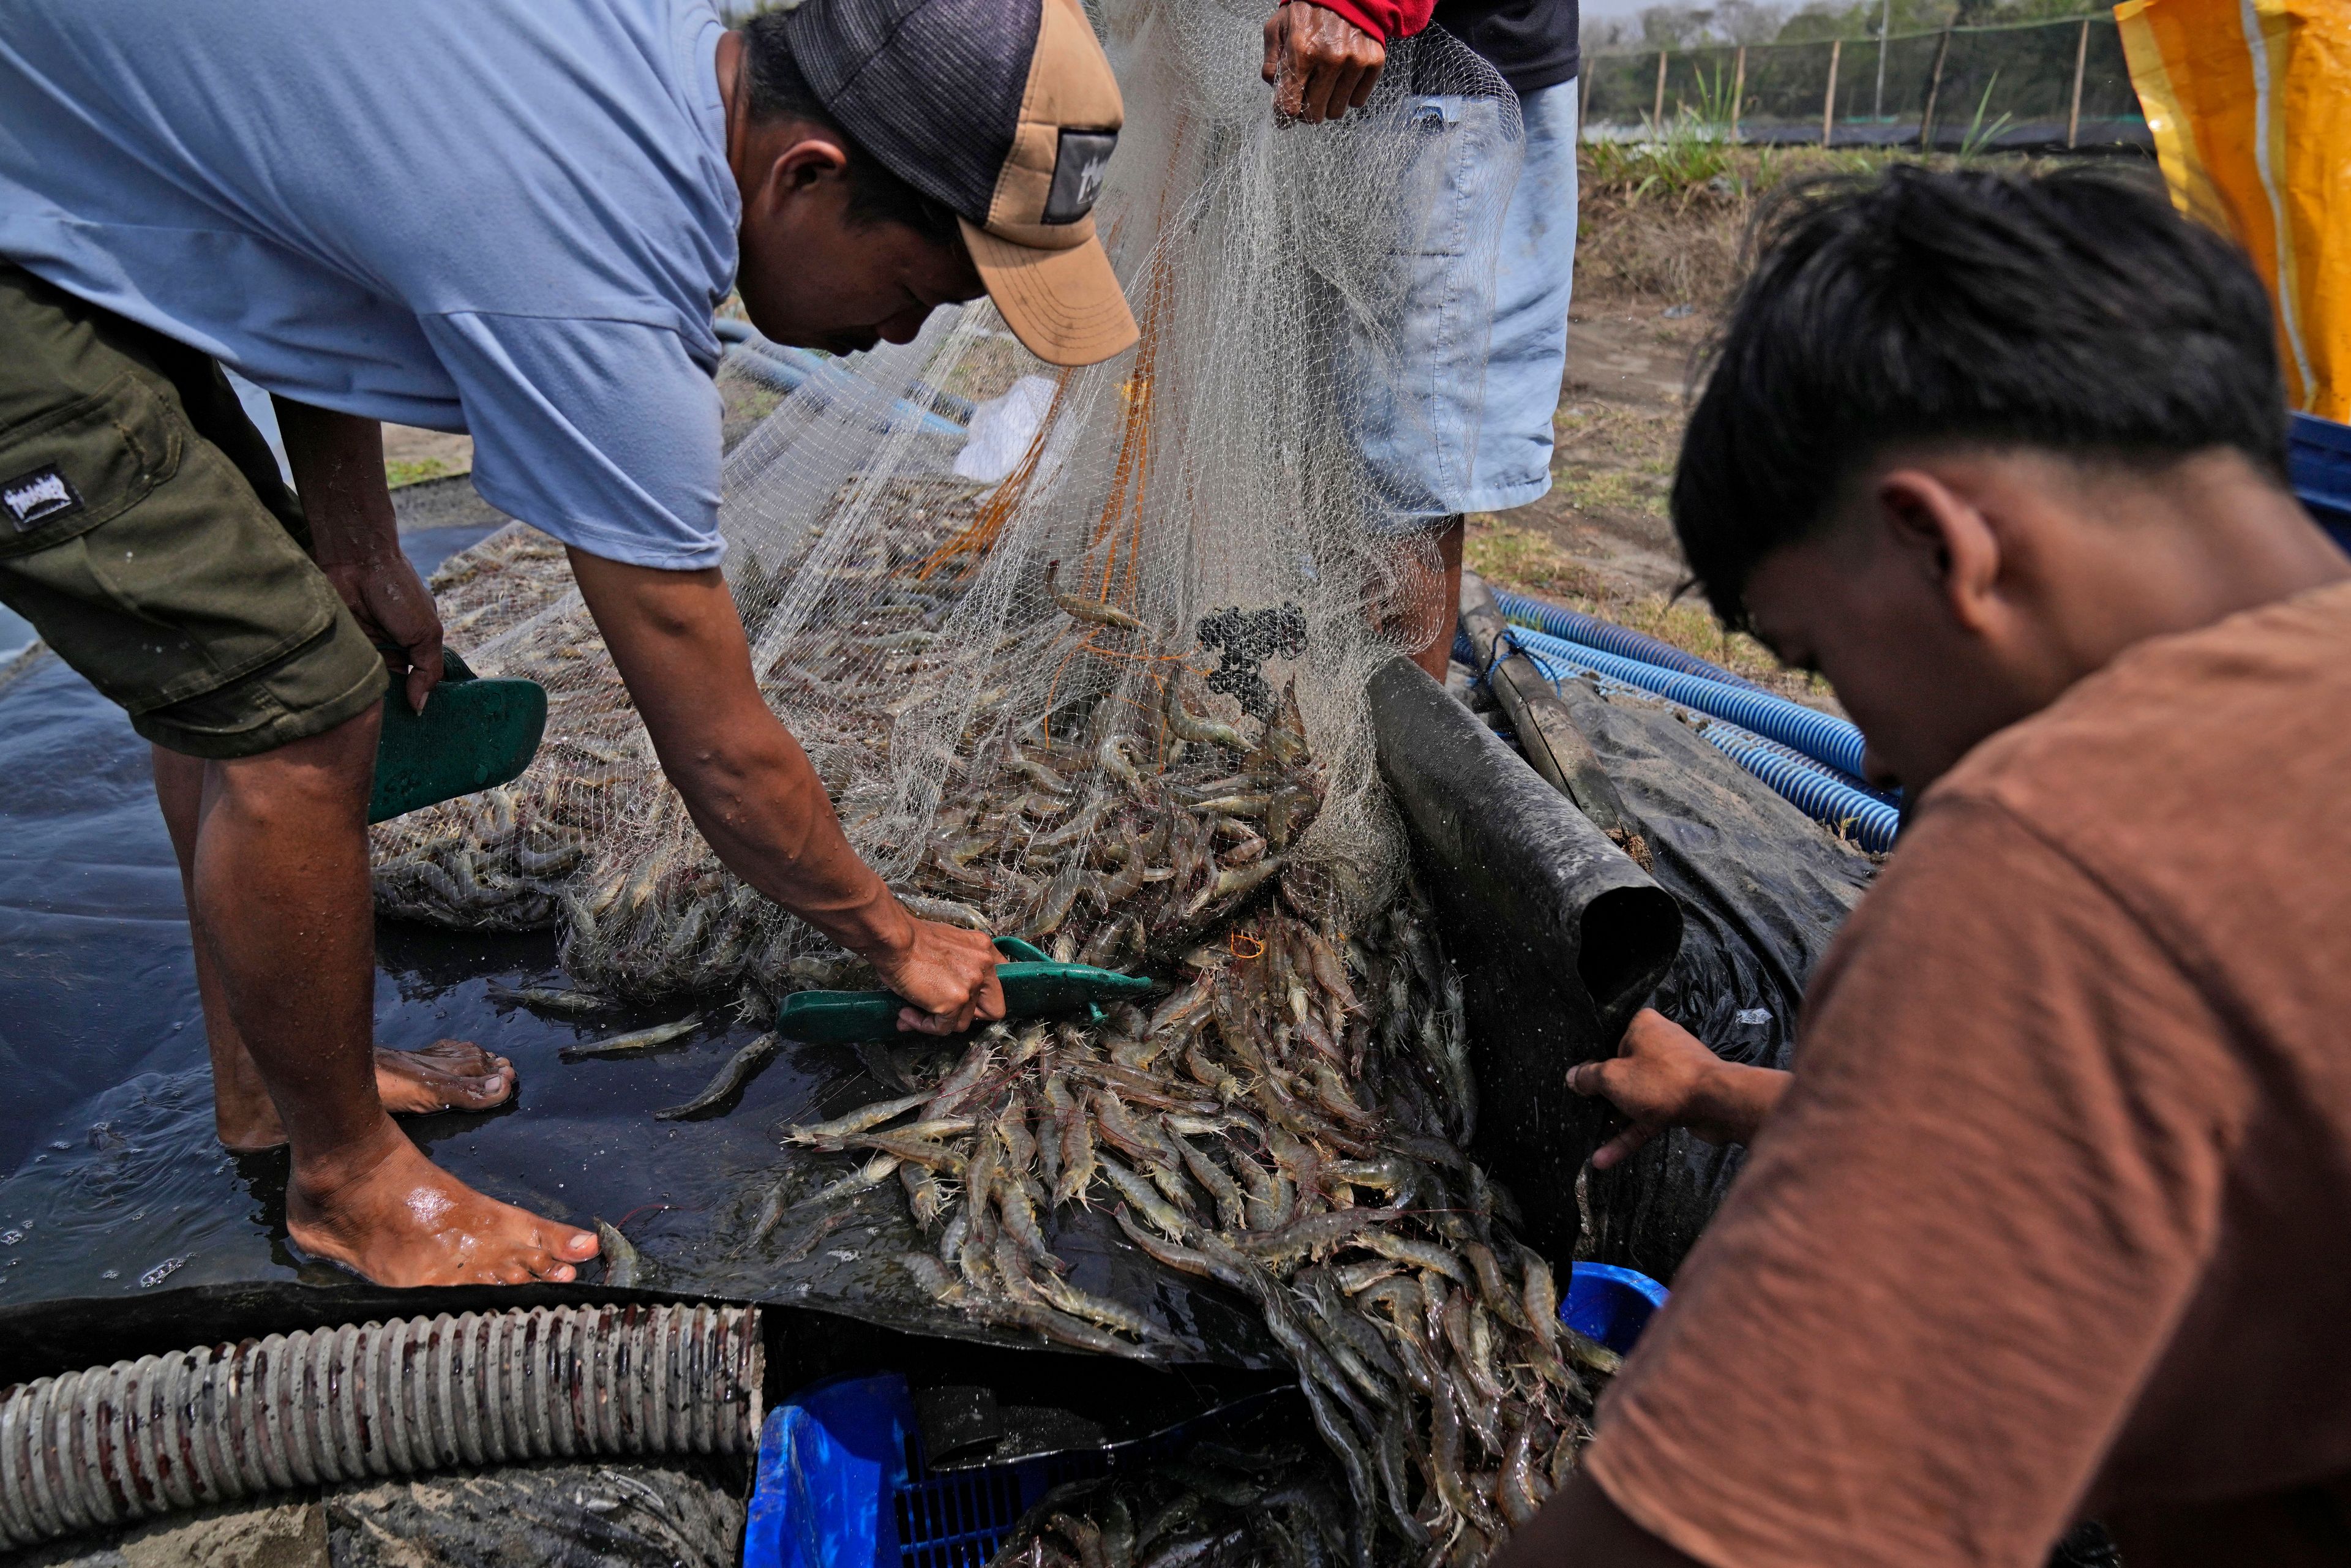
{"type": "Point", "coordinates": [1763, 890]}
{"type": "Point", "coordinates": [1559, 936]}
{"type": "Point", "coordinates": [118, 1191]}
{"type": "Point", "coordinates": [120, 1200]}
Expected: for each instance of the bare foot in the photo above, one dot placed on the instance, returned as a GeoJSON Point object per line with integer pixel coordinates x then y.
{"type": "Point", "coordinates": [448, 1075]}
{"type": "Point", "coordinates": [403, 1221]}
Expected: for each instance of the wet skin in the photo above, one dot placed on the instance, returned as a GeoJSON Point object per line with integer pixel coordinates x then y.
{"type": "Point", "coordinates": [448, 1075]}
{"type": "Point", "coordinates": [274, 862]}
{"type": "Point", "coordinates": [273, 857]}
{"type": "Point", "coordinates": [273, 849]}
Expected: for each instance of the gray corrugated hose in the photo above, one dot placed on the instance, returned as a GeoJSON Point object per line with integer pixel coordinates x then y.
{"type": "Point", "coordinates": [140, 1437]}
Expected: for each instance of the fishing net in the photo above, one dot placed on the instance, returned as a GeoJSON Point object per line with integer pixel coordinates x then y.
{"type": "Point", "coordinates": [1082, 655]}
{"type": "Point", "coordinates": [1104, 698]}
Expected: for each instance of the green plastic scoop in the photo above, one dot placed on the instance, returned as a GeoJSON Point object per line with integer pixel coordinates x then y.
{"type": "Point", "coordinates": [473, 733]}
{"type": "Point", "coordinates": [1034, 987]}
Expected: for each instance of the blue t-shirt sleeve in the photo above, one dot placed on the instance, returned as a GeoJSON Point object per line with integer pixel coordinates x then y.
{"type": "Point", "coordinates": [603, 432]}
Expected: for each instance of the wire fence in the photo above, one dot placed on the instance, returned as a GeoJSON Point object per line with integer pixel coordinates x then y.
{"type": "Point", "coordinates": [2035, 86]}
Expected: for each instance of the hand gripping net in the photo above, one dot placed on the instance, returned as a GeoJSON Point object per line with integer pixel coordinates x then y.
{"type": "Point", "coordinates": [1111, 697]}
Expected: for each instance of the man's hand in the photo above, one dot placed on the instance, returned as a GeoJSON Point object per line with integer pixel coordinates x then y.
{"type": "Point", "coordinates": [946, 972]}
{"type": "Point", "coordinates": [393, 607]}
{"type": "Point", "coordinates": [1320, 64]}
{"type": "Point", "coordinates": [1664, 1076]}
{"type": "Point", "coordinates": [337, 463]}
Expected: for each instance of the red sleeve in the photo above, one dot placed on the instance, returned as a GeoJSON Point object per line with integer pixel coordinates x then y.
{"type": "Point", "coordinates": [1386, 20]}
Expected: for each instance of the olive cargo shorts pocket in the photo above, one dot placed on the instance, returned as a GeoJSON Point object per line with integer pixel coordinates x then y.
{"type": "Point", "coordinates": [144, 559]}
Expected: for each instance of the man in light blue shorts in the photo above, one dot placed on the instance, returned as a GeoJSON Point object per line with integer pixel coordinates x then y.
{"type": "Point", "coordinates": [1467, 425]}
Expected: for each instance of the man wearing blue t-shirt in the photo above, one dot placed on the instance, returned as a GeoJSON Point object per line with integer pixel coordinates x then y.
{"type": "Point", "coordinates": [512, 217]}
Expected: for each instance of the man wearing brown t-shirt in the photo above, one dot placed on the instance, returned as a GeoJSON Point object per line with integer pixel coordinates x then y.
{"type": "Point", "coordinates": [2053, 1218]}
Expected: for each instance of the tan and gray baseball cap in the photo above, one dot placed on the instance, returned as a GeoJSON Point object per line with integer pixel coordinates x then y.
{"type": "Point", "coordinates": [1006, 112]}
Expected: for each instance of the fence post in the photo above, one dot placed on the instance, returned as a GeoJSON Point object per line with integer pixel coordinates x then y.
{"type": "Point", "coordinates": [1828, 99]}
{"type": "Point", "coordinates": [1657, 115]}
{"type": "Point", "coordinates": [1738, 91]}
{"type": "Point", "coordinates": [1884, 34]}
{"type": "Point", "coordinates": [1934, 89]}
{"type": "Point", "coordinates": [2081, 58]}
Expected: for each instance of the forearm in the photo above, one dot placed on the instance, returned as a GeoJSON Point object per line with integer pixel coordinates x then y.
{"type": "Point", "coordinates": [1733, 1102]}
{"type": "Point", "coordinates": [338, 463]}
{"type": "Point", "coordinates": [757, 798]}
{"type": "Point", "coordinates": [746, 782]}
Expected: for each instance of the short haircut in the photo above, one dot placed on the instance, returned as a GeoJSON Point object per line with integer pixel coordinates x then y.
{"type": "Point", "coordinates": [779, 89]}
{"type": "Point", "coordinates": [2073, 312]}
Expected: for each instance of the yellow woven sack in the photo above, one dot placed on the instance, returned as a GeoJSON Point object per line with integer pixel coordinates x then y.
{"type": "Point", "coordinates": [2250, 103]}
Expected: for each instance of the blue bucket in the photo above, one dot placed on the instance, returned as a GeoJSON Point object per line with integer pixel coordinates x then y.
{"type": "Point", "coordinates": [1610, 1304]}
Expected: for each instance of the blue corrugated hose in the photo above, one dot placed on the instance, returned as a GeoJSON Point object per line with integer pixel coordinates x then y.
{"type": "Point", "coordinates": [1816, 789]}
{"type": "Point", "coordinates": [1813, 787]}
{"type": "Point", "coordinates": [1871, 823]}
{"type": "Point", "coordinates": [1609, 637]}
{"type": "Point", "coordinates": [1808, 730]}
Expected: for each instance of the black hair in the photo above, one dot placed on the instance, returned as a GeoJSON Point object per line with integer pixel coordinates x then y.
{"type": "Point", "coordinates": [2073, 312]}
{"type": "Point", "coordinates": [779, 89]}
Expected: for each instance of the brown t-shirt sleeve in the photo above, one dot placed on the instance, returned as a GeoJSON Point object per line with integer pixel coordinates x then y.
{"type": "Point", "coordinates": [1961, 1243]}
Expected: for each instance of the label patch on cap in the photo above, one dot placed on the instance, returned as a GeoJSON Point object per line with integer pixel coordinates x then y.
{"type": "Point", "coordinates": [34, 498]}
{"type": "Point", "coordinates": [1078, 169]}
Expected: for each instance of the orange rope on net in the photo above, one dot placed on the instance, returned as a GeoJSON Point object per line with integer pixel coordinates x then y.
{"type": "Point", "coordinates": [1123, 509]}
{"type": "Point", "coordinates": [972, 542]}
{"type": "Point", "coordinates": [1130, 478]}
{"type": "Point", "coordinates": [1236, 937]}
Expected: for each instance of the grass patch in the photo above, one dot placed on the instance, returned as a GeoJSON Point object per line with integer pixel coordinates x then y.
{"type": "Point", "coordinates": [398, 473]}
{"type": "Point", "coordinates": [1521, 557]}
{"type": "Point", "coordinates": [1646, 440]}
{"type": "Point", "coordinates": [1591, 489]}
{"type": "Point", "coordinates": [1527, 561]}
{"type": "Point", "coordinates": [1663, 219]}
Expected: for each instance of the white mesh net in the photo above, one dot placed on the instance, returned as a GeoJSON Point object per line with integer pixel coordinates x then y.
{"type": "Point", "coordinates": [1105, 699]}
{"type": "Point", "coordinates": [1105, 688]}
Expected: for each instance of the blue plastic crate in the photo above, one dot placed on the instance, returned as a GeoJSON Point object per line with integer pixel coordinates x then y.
{"type": "Point", "coordinates": [956, 1520]}
{"type": "Point", "coordinates": [843, 1482]}
{"type": "Point", "coordinates": [2318, 460]}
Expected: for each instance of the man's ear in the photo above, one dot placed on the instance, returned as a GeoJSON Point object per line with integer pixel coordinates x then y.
{"type": "Point", "coordinates": [1948, 539]}
{"type": "Point", "coordinates": [800, 160]}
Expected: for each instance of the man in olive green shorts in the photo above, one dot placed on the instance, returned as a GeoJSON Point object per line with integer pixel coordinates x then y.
{"type": "Point", "coordinates": [144, 530]}
{"type": "Point", "coordinates": [513, 218]}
